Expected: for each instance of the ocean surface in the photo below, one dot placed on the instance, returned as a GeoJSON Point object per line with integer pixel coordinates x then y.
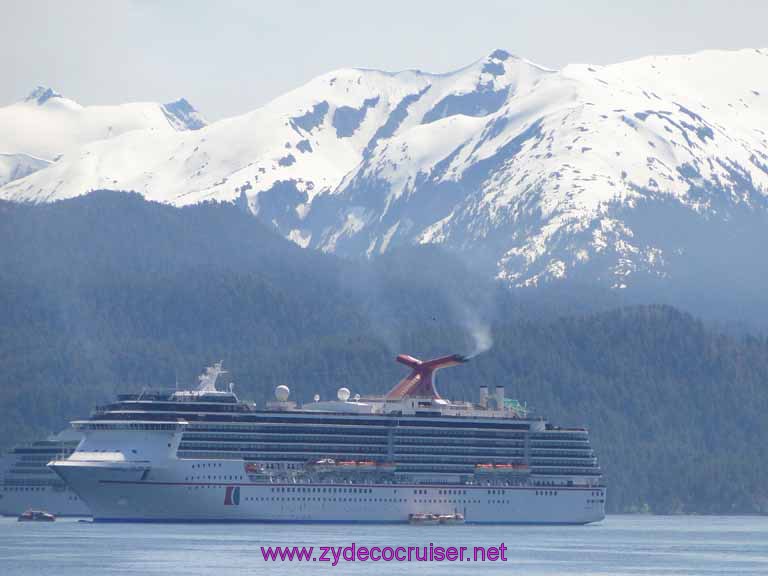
{"type": "Point", "coordinates": [647, 545]}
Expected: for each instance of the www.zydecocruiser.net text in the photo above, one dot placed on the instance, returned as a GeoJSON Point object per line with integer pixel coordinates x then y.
{"type": "Point", "coordinates": [357, 553]}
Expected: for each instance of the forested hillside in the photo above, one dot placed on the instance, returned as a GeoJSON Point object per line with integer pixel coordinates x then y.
{"type": "Point", "coordinates": [109, 293]}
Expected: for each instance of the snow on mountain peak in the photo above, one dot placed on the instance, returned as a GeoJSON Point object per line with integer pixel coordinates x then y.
{"type": "Point", "coordinates": [545, 174]}
{"type": "Point", "coordinates": [46, 126]}
{"type": "Point", "coordinates": [41, 94]}
{"type": "Point", "coordinates": [183, 116]}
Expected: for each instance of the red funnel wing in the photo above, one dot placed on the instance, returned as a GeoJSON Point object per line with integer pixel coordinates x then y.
{"type": "Point", "coordinates": [444, 362]}
{"type": "Point", "coordinates": [419, 383]}
{"type": "Point", "coordinates": [406, 386]}
{"type": "Point", "coordinates": [409, 361]}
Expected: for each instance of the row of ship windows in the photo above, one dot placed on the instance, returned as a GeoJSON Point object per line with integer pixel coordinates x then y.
{"type": "Point", "coordinates": [401, 430]}
{"type": "Point", "coordinates": [351, 446]}
{"type": "Point", "coordinates": [600, 501]}
{"type": "Point", "coordinates": [43, 458]}
{"type": "Point", "coordinates": [546, 468]}
{"type": "Point", "coordinates": [324, 499]}
{"type": "Point", "coordinates": [327, 449]}
{"type": "Point", "coordinates": [352, 440]}
{"type": "Point", "coordinates": [349, 449]}
{"type": "Point", "coordinates": [564, 451]}
{"type": "Point", "coordinates": [572, 470]}
{"type": "Point", "coordinates": [572, 462]}
{"type": "Point", "coordinates": [299, 438]}
{"type": "Point", "coordinates": [575, 453]}
{"type": "Point", "coordinates": [213, 478]}
{"type": "Point", "coordinates": [362, 431]}
{"type": "Point", "coordinates": [195, 428]}
{"type": "Point", "coordinates": [317, 489]}
{"type": "Point", "coordinates": [289, 466]}
{"type": "Point", "coordinates": [96, 425]}
{"type": "Point", "coordinates": [296, 425]}
{"type": "Point", "coordinates": [41, 451]}
{"type": "Point", "coordinates": [24, 488]}
{"type": "Point", "coordinates": [269, 465]}
{"type": "Point", "coordinates": [274, 448]}
{"type": "Point", "coordinates": [470, 461]}
{"type": "Point", "coordinates": [342, 499]}
{"type": "Point", "coordinates": [416, 491]}
{"type": "Point", "coordinates": [108, 450]}
{"type": "Point", "coordinates": [559, 443]}
{"type": "Point", "coordinates": [503, 434]}
{"type": "Point", "coordinates": [175, 406]}
{"type": "Point", "coordinates": [44, 482]}
{"type": "Point", "coordinates": [576, 436]}
{"type": "Point", "coordinates": [594, 471]}
{"type": "Point", "coordinates": [35, 489]}
{"type": "Point", "coordinates": [339, 451]}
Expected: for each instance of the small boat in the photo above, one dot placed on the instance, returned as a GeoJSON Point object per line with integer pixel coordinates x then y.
{"type": "Point", "coordinates": [36, 516]}
{"type": "Point", "coordinates": [331, 465]}
{"type": "Point", "coordinates": [502, 469]}
{"type": "Point", "coordinates": [456, 518]}
{"type": "Point", "coordinates": [253, 468]}
{"type": "Point", "coordinates": [422, 519]}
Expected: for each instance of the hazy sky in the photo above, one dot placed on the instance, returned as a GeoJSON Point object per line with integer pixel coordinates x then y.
{"type": "Point", "coordinates": [230, 57]}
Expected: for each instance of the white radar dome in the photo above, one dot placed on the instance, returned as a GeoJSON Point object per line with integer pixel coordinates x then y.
{"type": "Point", "coordinates": [282, 392]}
{"type": "Point", "coordinates": [343, 394]}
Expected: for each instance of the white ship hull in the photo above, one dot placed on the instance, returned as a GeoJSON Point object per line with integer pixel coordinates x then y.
{"type": "Point", "coordinates": [56, 501]}
{"type": "Point", "coordinates": [174, 493]}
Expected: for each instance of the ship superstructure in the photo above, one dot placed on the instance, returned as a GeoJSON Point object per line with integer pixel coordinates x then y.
{"type": "Point", "coordinates": [27, 482]}
{"type": "Point", "coordinates": [204, 455]}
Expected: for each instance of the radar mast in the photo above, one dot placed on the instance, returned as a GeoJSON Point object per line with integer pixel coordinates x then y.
{"type": "Point", "coordinates": [208, 378]}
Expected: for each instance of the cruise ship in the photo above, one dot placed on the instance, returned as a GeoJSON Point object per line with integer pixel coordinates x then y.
{"type": "Point", "coordinates": [204, 455]}
{"type": "Point", "coordinates": [27, 483]}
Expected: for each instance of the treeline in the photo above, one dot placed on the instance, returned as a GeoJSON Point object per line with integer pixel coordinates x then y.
{"type": "Point", "coordinates": [110, 293]}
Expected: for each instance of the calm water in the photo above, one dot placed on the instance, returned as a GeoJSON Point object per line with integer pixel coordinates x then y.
{"type": "Point", "coordinates": [620, 545]}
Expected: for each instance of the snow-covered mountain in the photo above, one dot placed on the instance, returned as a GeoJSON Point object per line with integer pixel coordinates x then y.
{"type": "Point", "coordinates": [619, 173]}
{"type": "Point", "coordinates": [14, 166]}
{"type": "Point", "coordinates": [45, 126]}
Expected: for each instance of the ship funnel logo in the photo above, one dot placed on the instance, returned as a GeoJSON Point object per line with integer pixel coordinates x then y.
{"type": "Point", "coordinates": [232, 496]}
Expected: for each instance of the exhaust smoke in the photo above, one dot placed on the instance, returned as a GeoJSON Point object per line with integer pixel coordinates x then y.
{"type": "Point", "coordinates": [482, 339]}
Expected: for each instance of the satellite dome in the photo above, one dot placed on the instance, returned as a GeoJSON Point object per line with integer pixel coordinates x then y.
{"type": "Point", "coordinates": [282, 392]}
{"type": "Point", "coordinates": [343, 394]}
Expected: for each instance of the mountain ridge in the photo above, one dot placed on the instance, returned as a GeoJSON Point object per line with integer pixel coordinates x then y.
{"type": "Point", "coordinates": [47, 126]}
{"type": "Point", "coordinates": [547, 175]}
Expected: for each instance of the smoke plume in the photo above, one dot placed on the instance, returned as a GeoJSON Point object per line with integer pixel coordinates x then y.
{"type": "Point", "coordinates": [482, 338]}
